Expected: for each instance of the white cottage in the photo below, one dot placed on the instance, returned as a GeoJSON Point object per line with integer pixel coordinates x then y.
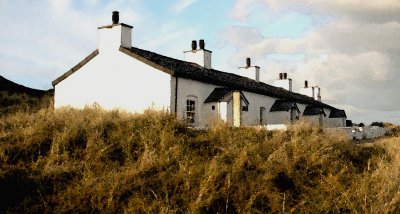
{"type": "Point", "coordinates": [119, 76]}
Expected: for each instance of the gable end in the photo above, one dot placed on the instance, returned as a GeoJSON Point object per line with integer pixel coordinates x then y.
{"type": "Point", "coordinates": [75, 68]}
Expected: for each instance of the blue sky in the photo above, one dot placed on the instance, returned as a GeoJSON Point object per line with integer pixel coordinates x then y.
{"type": "Point", "coordinates": [348, 48]}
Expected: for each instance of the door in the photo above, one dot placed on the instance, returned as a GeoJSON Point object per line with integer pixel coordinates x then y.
{"type": "Point", "coordinates": [223, 111]}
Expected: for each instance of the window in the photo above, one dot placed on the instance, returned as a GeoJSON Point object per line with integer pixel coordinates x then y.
{"type": "Point", "coordinates": [213, 107]}
{"type": "Point", "coordinates": [190, 110]}
{"type": "Point", "coordinates": [245, 108]}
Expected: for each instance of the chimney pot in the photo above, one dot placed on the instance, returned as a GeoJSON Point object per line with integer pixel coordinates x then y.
{"type": "Point", "coordinates": [284, 75]}
{"type": "Point", "coordinates": [115, 17]}
{"type": "Point", "coordinates": [194, 45]}
{"type": "Point", "coordinates": [248, 62]}
{"type": "Point", "coordinates": [306, 84]}
{"type": "Point", "coordinates": [202, 44]}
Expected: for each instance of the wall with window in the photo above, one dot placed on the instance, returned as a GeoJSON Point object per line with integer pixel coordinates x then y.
{"type": "Point", "coordinates": [195, 91]}
{"type": "Point", "coordinates": [206, 113]}
{"type": "Point", "coordinates": [251, 117]}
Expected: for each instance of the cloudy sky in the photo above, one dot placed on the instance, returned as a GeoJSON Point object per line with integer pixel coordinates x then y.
{"type": "Point", "coordinates": [350, 48]}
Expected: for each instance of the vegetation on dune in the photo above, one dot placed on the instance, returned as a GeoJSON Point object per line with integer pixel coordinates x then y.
{"type": "Point", "coordinates": [15, 97]}
{"type": "Point", "coordinates": [93, 161]}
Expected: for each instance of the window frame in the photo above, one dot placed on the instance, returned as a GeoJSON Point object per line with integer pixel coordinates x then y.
{"type": "Point", "coordinates": [190, 109]}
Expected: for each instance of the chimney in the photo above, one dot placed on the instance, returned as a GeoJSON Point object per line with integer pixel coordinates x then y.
{"type": "Point", "coordinates": [115, 17]}
{"type": "Point", "coordinates": [317, 93]}
{"type": "Point", "coordinates": [112, 37]}
{"type": "Point", "coordinates": [283, 82]}
{"type": "Point", "coordinates": [194, 45]}
{"type": "Point", "coordinates": [308, 91]}
{"type": "Point", "coordinates": [200, 56]}
{"type": "Point", "coordinates": [202, 44]}
{"type": "Point", "coordinates": [251, 72]}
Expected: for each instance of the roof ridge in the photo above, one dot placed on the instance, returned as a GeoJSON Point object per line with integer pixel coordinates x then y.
{"type": "Point", "coordinates": [267, 89]}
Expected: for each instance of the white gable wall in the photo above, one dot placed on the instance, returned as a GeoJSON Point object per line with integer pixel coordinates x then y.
{"type": "Point", "coordinates": [301, 107]}
{"type": "Point", "coordinates": [326, 117]}
{"type": "Point", "coordinates": [115, 80]}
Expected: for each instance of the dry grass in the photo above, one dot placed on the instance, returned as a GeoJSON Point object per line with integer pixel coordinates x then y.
{"type": "Point", "coordinates": [95, 161]}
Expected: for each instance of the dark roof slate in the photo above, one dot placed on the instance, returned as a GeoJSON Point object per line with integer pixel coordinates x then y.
{"type": "Point", "coordinates": [218, 94]}
{"type": "Point", "coordinates": [194, 71]}
{"type": "Point", "coordinates": [336, 113]}
{"type": "Point", "coordinates": [282, 105]}
{"type": "Point", "coordinates": [313, 110]}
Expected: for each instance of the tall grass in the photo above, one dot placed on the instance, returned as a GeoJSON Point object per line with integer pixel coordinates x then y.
{"type": "Point", "coordinates": [95, 161]}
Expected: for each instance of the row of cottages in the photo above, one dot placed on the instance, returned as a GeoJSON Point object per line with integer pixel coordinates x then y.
{"type": "Point", "coordinates": [117, 75]}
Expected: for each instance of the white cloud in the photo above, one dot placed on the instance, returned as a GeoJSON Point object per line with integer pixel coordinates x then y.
{"type": "Point", "coordinates": [353, 57]}
{"type": "Point", "coordinates": [242, 9]}
{"type": "Point", "coordinates": [182, 5]}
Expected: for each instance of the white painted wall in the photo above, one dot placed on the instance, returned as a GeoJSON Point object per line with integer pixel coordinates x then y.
{"type": "Point", "coordinates": [307, 91]}
{"type": "Point", "coordinates": [252, 72]}
{"type": "Point", "coordinates": [284, 83]}
{"type": "Point", "coordinates": [278, 117]}
{"type": "Point", "coordinates": [200, 57]}
{"type": "Point", "coordinates": [326, 118]}
{"type": "Point", "coordinates": [335, 122]}
{"type": "Point", "coordinates": [111, 38]}
{"type": "Point", "coordinates": [301, 107]}
{"type": "Point", "coordinates": [206, 115]}
{"type": "Point", "coordinates": [187, 87]}
{"type": "Point", "coordinates": [256, 101]}
{"type": "Point", "coordinates": [313, 119]}
{"type": "Point", "coordinates": [115, 80]}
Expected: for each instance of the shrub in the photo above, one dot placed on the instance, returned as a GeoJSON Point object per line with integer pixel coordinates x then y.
{"type": "Point", "coordinates": [95, 161]}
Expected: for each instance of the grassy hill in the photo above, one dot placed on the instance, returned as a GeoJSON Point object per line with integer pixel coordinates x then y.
{"type": "Point", "coordinates": [15, 97]}
{"type": "Point", "coordinates": [85, 161]}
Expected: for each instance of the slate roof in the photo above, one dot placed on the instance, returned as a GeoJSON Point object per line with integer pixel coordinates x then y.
{"type": "Point", "coordinates": [194, 71]}
{"type": "Point", "coordinates": [218, 94]}
{"type": "Point", "coordinates": [336, 113]}
{"type": "Point", "coordinates": [283, 105]}
{"type": "Point", "coordinates": [313, 110]}
{"type": "Point", "coordinates": [223, 94]}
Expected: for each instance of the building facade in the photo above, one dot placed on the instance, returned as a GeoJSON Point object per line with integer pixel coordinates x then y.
{"type": "Point", "coordinates": [119, 76]}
